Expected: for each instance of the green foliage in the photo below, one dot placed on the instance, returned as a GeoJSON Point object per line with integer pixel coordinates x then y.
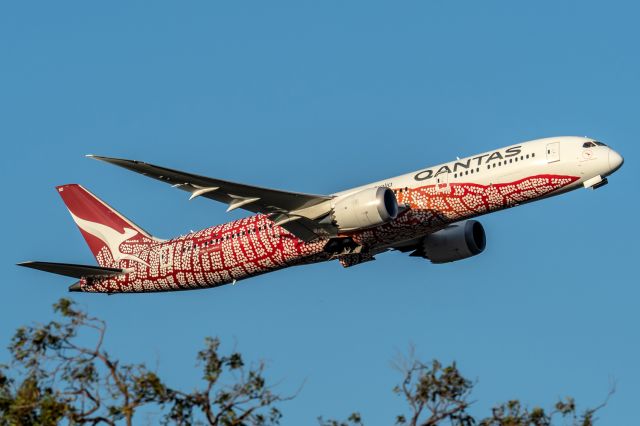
{"type": "Point", "coordinates": [55, 379]}
{"type": "Point", "coordinates": [246, 401]}
{"type": "Point", "coordinates": [31, 404]}
{"type": "Point", "coordinates": [353, 420]}
{"type": "Point", "coordinates": [437, 395]}
{"type": "Point", "coordinates": [512, 413]}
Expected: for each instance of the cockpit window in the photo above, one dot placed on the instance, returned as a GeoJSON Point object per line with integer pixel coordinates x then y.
{"type": "Point", "coordinates": [599, 143]}
{"type": "Point", "coordinates": [588, 144]}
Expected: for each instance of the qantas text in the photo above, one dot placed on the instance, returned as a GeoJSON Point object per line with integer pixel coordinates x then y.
{"type": "Point", "coordinates": [465, 164]}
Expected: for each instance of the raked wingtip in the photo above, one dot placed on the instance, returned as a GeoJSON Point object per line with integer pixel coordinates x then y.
{"type": "Point", "coordinates": [97, 157]}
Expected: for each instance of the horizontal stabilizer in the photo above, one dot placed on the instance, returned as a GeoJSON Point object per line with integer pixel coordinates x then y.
{"type": "Point", "coordinates": [72, 270]}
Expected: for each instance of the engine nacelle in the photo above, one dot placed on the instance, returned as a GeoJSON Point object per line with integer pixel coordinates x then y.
{"type": "Point", "coordinates": [365, 209]}
{"type": "Point", "coordinates": [458, 241]}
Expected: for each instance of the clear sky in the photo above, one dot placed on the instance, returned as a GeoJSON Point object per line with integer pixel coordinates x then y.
{"type": "Point", "coordinates": [319, 97]}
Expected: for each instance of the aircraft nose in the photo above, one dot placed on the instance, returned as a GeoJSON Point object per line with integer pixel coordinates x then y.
{"type": "Point", "coordinates": [615, 160]}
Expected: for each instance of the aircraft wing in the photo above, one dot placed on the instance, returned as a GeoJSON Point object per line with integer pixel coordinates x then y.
{"type": "Point", "coordinates": [299, 213]}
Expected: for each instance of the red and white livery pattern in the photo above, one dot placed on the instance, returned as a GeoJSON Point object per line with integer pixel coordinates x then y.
{"type": "Point", "coordinates": [431, 200]}
{"type": "Point", "coordinates": [253, 245]}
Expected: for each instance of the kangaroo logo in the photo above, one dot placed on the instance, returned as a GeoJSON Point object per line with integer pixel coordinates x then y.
{"type": "Point", "coordinates": [110, 237]}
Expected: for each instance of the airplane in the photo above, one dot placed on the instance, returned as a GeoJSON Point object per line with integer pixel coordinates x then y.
{"type": "Point", "coordinates": [428, 213]}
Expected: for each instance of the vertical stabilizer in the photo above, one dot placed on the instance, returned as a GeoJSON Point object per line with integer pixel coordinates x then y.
{"type": "Point", "coordinates": [110, 236]}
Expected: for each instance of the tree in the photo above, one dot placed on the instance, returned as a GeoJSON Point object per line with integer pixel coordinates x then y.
{"type": "Point", "coordinates": [246, 401]}
{"type": "Point", "coordinates": [56, 377]}
{"type": "Point", "coordinates": [440, 395]}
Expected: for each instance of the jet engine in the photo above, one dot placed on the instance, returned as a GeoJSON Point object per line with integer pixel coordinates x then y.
{"type": "Point", "coordinates": [455, 242]}
{"type": "Point", "coordinates": [364, 209]}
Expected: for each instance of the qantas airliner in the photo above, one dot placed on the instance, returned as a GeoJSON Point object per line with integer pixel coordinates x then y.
{"type": "Point", "coordinates": [427, 213]}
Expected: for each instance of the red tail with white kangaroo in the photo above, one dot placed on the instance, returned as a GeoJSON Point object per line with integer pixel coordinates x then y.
{"type": "Point", "coordinates": [110, 236]}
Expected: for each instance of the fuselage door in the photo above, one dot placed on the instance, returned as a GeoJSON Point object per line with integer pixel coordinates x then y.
{"type": "Point", "coordinates": [442, 182]}
{"type": "Point", "coordinates": [553, 152]}
{"type": "Point", "coordinates": [166, 257]}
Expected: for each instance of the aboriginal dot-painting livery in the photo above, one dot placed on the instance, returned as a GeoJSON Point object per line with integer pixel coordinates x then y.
{"type": "Point", "coordinates": [295, 229]}
{"type": "Point", "coordinates": [253, 245]}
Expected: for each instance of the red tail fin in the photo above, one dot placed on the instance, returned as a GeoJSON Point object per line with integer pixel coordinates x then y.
{"type": "Point", "coordinates": [110, 236]}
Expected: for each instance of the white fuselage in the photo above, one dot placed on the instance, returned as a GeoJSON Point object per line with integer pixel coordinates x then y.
{"type": "Point", "coordinates": [563, 155]}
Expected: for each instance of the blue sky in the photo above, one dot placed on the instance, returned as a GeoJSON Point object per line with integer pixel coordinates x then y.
{"type": "Point", "coordinates": [318, 97]}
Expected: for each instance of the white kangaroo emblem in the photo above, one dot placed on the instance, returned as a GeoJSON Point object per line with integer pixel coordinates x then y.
{"type": "Point", "coordinates": [110, 237]}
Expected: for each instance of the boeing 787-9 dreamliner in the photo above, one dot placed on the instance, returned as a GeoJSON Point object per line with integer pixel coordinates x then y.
{"type": "Point", "coordinates": [428, 213]}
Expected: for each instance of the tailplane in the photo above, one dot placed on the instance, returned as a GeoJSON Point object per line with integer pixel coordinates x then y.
{"type": "Point", "coordinates": [73, 270]}
{"type": "Point", "coordinates": [110, 236]}
{"type": "Point", "coordinates": [85, 273]}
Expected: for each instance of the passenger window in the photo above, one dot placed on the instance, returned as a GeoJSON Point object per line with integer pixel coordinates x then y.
{"type": "Point", "coordinates": [533, 154]}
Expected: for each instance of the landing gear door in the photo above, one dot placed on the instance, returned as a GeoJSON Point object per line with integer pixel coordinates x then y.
{"type": "Point", "coordinates": [553, 152]}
